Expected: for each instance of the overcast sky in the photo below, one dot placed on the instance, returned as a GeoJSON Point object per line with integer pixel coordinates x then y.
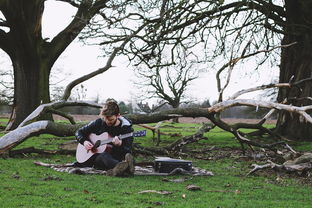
{"type": "Point", "coordinates": [79, 59]}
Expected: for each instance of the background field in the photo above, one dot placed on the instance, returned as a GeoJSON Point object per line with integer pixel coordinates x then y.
{"type": "Point", "coordinates": [24, 184]}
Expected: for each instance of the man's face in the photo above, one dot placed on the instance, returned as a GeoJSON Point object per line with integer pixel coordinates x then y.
{"type": "Point", "coordinates": [110, 120]}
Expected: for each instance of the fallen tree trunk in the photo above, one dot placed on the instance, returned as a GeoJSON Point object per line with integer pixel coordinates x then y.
{"type": "Point", "coordinates": [19, 135]}
{"type": "Point", "coordinates": [168, 114]}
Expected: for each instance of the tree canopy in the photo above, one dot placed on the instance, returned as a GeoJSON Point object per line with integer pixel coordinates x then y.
{"type": "Point", "coordinates": [159, 34]}
{"type": "Point", "coordinates": [234, 29]}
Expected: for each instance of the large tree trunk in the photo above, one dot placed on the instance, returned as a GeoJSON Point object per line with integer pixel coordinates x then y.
{"type": "Point", "coordinates": [296, 61]}
{"type": "Point", "coordinates": [31, 55]}
{"type": "Point", "coordinates": [31, 88]}
{"type": "Point", "coordinates": [31, 71]}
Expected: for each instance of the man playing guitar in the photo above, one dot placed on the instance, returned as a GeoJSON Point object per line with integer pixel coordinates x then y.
{"type": "Point", "coordinates": [116, 158]}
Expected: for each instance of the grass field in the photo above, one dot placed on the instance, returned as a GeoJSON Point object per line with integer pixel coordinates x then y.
{"type": "Point", "coordinates": [22, 184]}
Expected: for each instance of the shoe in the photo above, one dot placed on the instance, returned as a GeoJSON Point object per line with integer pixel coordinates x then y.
{"type": "Point", "coordinates": [118, 170]}
{"type": "Point", "coordinates": [129, 159]}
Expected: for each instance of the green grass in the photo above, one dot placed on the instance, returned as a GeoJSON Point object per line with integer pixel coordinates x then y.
{"type": "Point", "coordinates": [24, 184]}
{"type": "Point", "coordinates": [302, 146]}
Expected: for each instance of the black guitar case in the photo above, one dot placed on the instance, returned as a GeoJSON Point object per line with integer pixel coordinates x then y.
{"type": "Point", "coordinates": [167, 164]}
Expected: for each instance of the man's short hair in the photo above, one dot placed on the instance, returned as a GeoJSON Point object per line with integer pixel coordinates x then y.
{"type": "Point", "coordinates": [110, 108]}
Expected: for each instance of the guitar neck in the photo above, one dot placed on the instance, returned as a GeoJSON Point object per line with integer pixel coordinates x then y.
{"type": "Point", "coordinates": [122, 136]}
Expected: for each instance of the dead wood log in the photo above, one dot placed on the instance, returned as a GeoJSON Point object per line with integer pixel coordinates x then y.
{"type": "Point", "coordinates": [302, 111]}
{"type": "Point", "coordinates": [135, 118]}
{"type": "Point", "coordinates": [24, 131]}
{"type": "Point", "coordinates": [154, 129]}
{"type": "Point", "coordinates": [19, 135]}
{"type": "Point", "coordinates": [259, 126]}
{"type": "Point", "coordinates": [305, 158]}
{"type": "Point", "coordinates": [199, 135]}
{"type": "Point", "coordinates": [239, 135]}
{"type": "Point", "coordinates": [177, 146]}
{"type": "Point", "coordinates": [167, 115]}
{"type": "Point", "coordinates": [298, 168]}
{"type": "Point", "coordinates": [300, 165]}
{"type": "Point", "coordinates": [52, 108]}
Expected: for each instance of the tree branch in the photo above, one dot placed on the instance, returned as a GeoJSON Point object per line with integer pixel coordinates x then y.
{"type": "Point", "coordinates": [234, 61]}
{"type": "Point", "coordinates": [85, 12]}
{"type": "Point", "coordinates": [72, 84]}
{"type": "Point", "coordinates": [199, 135]}
{"type": "Point", "coordinates": [262, 87]}
{"type": "Point", "coordinates": [71, 2]}
{"type": "Point", "coordinates": [51, 107]}
{"type": "Point", "coordinates": [265, 104]}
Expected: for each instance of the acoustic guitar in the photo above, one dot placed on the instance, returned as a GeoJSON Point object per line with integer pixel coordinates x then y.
{"type": "Point", "coordinates": [100, 143]}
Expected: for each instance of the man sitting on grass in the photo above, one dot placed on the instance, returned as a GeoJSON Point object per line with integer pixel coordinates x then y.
{"type": "Point", "coordinates": [116, 158]}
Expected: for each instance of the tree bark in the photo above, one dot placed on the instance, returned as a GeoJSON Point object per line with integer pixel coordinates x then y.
{"type": "Point", "coordinates": [19, 135]}
{"type": "Point", "coordinates": [31, 83]}
{"type": "Point", "coordinates": [296, 62]}
{"type": "Point", "coordinates": [31, 74]}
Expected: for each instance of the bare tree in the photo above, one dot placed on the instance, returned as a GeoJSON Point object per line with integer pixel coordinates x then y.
{"type": "Point", "coordinates": [229, 28]}
{"type": "Point", "coordinates": [167, 83]}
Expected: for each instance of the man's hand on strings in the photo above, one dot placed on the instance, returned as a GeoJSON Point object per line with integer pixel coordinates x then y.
{"type": "Point", "coordinates": [116, 141]}
{"type": "Point", "coordinates": [88, 145]}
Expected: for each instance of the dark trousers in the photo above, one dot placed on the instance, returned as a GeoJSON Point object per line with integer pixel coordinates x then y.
{"type": "Point", "coordinates": [102, 161]}
{"type": "Point", "coordinates": [105, 161]}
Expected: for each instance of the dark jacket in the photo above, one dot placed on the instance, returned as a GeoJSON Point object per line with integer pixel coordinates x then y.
{"type": "Point", "coordinates": [99, 126]}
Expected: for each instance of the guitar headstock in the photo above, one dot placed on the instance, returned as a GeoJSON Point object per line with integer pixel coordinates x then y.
{"type": "Point", "coordinates": [139, 133]}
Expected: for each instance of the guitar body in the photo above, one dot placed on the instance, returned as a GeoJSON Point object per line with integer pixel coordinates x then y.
{"type": "Point", "coordinates": [82, 155]}
{"type": "Point", "coordinates": [101, 141]}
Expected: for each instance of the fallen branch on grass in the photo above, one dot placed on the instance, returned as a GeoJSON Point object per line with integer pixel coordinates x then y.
{"type": "Point", "coordinates": [19, 135]}
{"type": "Point", "coordinates": [177, 146]}
{"type": "Point", "coordinates": [300, 165]}
{"type": "Point", "coordinates": [155, 192]}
